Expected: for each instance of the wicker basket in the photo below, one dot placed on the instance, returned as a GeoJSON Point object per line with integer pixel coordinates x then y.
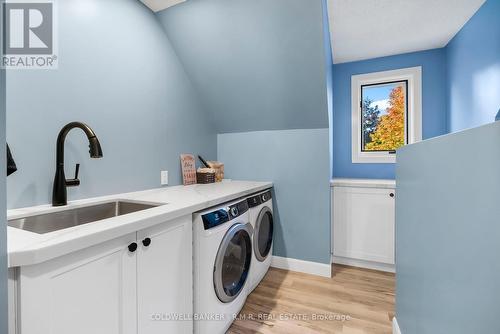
{"type": "Point", "coordinates": [204, 178]}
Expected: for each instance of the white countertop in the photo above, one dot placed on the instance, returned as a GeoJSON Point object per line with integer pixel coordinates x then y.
{"type": "Point", "coordinates": [364, 183]}
{"type": "Point", "coordinates": [27, 248]}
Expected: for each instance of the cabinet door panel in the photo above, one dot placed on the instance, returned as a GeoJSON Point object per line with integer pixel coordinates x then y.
{"type": "Point", "coordinates": [364, 224]}
{"type": "Point", "coordinates": [164, 278]}
{"type": "Point", "coordinates": [90, 291]}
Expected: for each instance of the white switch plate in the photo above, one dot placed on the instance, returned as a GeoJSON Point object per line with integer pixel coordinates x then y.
{"type": "Point", "coordinates": [164, 177]}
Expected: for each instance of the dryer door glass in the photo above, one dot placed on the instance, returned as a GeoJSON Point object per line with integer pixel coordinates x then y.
{"type": "Point", "coordinates": [233, 263]}
{"type": "Point", "coordinates": [263, 235]}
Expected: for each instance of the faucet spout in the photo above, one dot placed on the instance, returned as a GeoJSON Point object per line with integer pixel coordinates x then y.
{"type": "Point", "coordinates": [59, 192]}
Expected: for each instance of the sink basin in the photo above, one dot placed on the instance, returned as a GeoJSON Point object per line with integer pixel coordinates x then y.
{"type": "Point", "coordinates": [54, 221]}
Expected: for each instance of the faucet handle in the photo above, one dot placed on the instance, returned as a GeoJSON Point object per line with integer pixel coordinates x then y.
{"type": "Point", "coordinates": [77, 171]}
{"type": "Point", "coordinates": [74, 182]}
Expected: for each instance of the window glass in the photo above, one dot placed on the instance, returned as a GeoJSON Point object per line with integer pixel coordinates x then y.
{"type": "Point", "coordinates": [384, 116]}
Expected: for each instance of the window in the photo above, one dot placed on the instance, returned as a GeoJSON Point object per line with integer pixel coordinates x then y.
{"type": "Point", "coordinates": [386, 114]}
{"type": "Point", "coordinates": [383, 116]}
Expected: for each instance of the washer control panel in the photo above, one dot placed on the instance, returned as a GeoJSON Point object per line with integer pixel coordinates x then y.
{"type": "Point", "coordinates": [215, 218]}
{"type": "Point", "coordinates": [223, 215]}
{"type": "Point", "coordinates": [238, 209]}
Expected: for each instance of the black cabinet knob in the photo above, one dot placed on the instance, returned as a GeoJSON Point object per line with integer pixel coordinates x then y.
{"type": "Point", "coordinates": [132, 247]}
{"type": "Point", "coordinates": [146, 242]}
{"type": "Point", "coordinates": [391, 194]}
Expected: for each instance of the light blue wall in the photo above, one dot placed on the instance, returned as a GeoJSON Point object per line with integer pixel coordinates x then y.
{"type": "Point", "coordinates": [447, 234]}
{"type": "Point", "coordinates": [257, 65]}
{"type": "Point", "coordinates": [297, 162]}
{"type": "Point", "coordinates": [265, 65]}
{"type": "Point", "coordinates": [329, 77]}
{"type": "Point", "coordinates": [118, 73]}
{"type": "Point", "coordinates": [447, 229]}
{"type": "Point", "coordinates": [460, 88]}
{"type": "Point", "coordinates": [3, 225]}
{"type": "Point", "coordinates": [474, 70]}
{"type": "Point", "coordinates": [433, 64]}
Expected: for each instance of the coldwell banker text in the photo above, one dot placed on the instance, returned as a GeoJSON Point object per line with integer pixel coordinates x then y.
{"type": "Point", "coordinates": [29, 35]}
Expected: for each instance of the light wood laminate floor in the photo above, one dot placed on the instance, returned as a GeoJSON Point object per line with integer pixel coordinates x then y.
{"type": "Point", "coordinates": [353, 301]}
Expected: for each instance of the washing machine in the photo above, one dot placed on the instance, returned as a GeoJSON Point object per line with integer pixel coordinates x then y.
{"type": "Point", "coordinates": [261, 219]}
{"type": "Point", "coordinates": [222, 251]}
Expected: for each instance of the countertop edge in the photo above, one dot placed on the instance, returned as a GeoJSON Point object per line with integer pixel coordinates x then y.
{"type": "Point", "coordinates": [363, 183]}
{"type": "Point", "coordinates": [35, 251]}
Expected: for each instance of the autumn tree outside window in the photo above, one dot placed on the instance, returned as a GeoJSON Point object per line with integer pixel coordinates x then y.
{"type": "Point", "coordinates": [386, 114]}
{"type": "Point", "coordinates": [383, 116]}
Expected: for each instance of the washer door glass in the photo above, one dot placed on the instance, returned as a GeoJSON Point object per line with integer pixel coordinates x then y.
{"type": "Point", "coordinates": [263, 235]}
{"type": "Point", "coordinates": [233, 262]}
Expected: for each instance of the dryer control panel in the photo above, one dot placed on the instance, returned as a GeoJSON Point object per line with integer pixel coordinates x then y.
{"type": "Point", "coordinates": [254, 201]}
{"type": "Point", "coordinates": [266, 196]}
{"type": "Point", "coordinates": [259, 199]}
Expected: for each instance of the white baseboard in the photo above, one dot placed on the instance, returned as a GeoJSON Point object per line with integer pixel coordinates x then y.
{"type": "Point", "coordinates": [308, 267]}
{"type": "Point", "coordinates": [364, 264]}
{"type": "Point", "coordinates": [395, 326]}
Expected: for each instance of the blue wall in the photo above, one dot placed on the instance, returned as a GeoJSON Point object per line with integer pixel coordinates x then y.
{"type": "Point", "coordinates": [265, 65]}
{"type": "Point", "coordinates": [297, 162]}
{"type": "Point", "coordinates": [3, 225]}
{"type": "Point", "coordinates": [329, 78]}
{"type": "Point", "coordinates": [447, 234]}
{"type": "Point", "coordinates": [433, 64]}
{"type": "Point", "coordinates": [460, 88]}
{"type": "Point", "coordinates": [257, 65]}
{"type": "Point", "coordinates": [444, 227]}
{"type": "Point", "coordinates": [120, 75]}
{"type": "Point", "coordinates": [473, 57]}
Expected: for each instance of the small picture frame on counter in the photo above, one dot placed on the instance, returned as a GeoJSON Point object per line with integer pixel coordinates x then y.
{"type": "Point", "coordinates": [188, 166]}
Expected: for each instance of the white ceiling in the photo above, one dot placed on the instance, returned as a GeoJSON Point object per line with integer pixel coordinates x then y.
{"type": "Point", "coordinates": [364, 29]}
{"type": "Point", "coordinates": [157, 5]}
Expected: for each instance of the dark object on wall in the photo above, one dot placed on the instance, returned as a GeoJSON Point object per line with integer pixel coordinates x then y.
{"type": "Point", "coordinates": [497, 118]}
{"type": "Point", "coordinates": [11, 165]}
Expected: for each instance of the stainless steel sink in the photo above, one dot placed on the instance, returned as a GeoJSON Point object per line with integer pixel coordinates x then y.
{"type": "Point", "coordinates": [55, 221]}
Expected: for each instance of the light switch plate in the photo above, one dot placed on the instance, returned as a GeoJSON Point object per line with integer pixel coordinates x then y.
{"type": "Point", "coordinates": [164, 177]}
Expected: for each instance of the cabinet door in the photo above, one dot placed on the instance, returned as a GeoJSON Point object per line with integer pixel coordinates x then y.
{"type": "Point", "coordinates": [13, 303]}
{"type": "Point", "coordinates": [363, 221]}
{"type": "Point", "coordinates": [164, 278]}
{"type": "Point", "coordinates": [90, 291]}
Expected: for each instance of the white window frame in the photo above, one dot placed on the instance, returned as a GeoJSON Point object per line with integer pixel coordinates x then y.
{"type": "Point", "coordinates": [413, 76]}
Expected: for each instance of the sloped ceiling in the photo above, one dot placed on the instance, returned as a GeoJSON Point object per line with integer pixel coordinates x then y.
{"type": "Point", "coordinates": [256, 64]}
{"type": "Point", "coordinates": [158, 5]}
{"type": "Point", "coordinates": [364, 29]}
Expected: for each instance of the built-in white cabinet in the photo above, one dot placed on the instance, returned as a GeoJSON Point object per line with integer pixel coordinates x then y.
{"type": "Point", "coordinates": [363, 218]}
{"type": "Point", "coordinates": [129, 285]}
{"type": "Point", "coordinates": [164, 279]}
{"type": "Point", "coordinates": [80, 293]}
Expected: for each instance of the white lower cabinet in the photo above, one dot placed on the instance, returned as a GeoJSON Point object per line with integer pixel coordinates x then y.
{"type": "Point", "coordinates": [364, 226]}
{"type": "Point", "coordinates": [113, 288]}
{"type": "Point", "coordinates": [164, 279]}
